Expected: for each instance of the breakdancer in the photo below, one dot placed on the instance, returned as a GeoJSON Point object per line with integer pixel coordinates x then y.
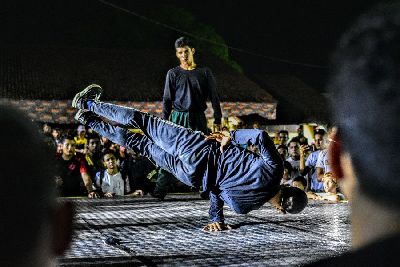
{"type": "Point", "coordinates": [231, 174]}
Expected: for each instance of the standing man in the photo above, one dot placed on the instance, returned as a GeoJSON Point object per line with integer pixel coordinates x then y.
{"type": "Point", "coordinates": [187, 88]}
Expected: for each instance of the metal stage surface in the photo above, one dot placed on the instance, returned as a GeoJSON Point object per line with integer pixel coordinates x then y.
{"type": "Point", "coordinates": [168, 233]}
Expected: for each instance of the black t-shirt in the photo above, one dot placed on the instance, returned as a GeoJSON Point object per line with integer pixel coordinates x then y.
{"type": "Point", "coordinates": [70, 173]}
{"type": "Point", "coordinates": [188, 91]}
{"type": "Point", "coordinates": [136, 170]}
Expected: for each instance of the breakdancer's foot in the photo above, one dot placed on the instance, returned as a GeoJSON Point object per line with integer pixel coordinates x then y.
{"type": "Point", "coordinates": [84, 115]}
{"type": "Point", "coordinates": [92, 92]}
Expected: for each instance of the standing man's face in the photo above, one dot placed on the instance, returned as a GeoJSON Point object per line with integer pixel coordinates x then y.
{"type": "Point", "coordinates": [185, 55]}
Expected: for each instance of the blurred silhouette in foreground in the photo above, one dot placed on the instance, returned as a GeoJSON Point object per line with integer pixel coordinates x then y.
{"type": "Point", "coordinates": [34, 227]}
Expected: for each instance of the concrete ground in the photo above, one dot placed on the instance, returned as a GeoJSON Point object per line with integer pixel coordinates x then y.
{"type": "Point", "coordinates": [149, 232]}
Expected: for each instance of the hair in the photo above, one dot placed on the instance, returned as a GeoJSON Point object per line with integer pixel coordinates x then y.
{"type": "Point", "coordinates": [30, 197]}
{"type": "Point", "coordinates": [183, 41]}
{"type": "Point", "coordinates": [282, 146]}
{"type": "Point", "coordinates": [294, 140]}
{"type": "Point", "coordinates": [66, 136]}
{"type": "Point", "coordinates": [293, 199]}
{"type": "Point", "coordinates": [108, 151]}
{"type": "Point", "coordinates": [365, 89]}
{"type": "Point", "coordinates": [300, 179]}
{"type": "Point", "coordinates": [283, 131]}
{"type": "Point", "coordinates": [320, 132]}
{"type": "Point", "coordinates": [92, 135]}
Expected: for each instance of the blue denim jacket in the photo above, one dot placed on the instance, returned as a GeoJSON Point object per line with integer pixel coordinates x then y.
{"type": "Point", "coordinates": [244, 180]}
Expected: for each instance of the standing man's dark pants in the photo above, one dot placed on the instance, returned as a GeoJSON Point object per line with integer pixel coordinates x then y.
{"type": "Point", "coordinates": [178, 150]}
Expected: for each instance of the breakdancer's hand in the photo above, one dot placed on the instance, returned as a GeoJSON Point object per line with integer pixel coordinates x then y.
{"type": "Point", "coordinates": [93, 194]}
{"type": "Point", "coordinates": [216, 227]}
{"type": "Point", "coordinates": [108, 195]}
{"type": "Point", "coordinates": [137, 193]}
{"type": "Point", "coordinates": [223, 137]}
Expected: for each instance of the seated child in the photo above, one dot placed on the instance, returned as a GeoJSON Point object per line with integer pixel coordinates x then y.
{"type": "Point", "coordinates": [109, 181]}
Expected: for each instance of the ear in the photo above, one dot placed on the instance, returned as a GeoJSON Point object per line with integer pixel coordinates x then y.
{"type": "Point", "coordinates": [62, 227]}
{"type": "Point", "coordinates": [334, 153]}
{"type": "Point", "coordinates": [342, 167]}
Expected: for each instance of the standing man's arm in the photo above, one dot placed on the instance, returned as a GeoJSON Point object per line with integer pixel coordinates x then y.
{"type": "Point", "coordinates": [216, 213]}
{"type": "Point", "coordinates": [169, 95]}
{"type": "Point", "coordinates": [213, 95]}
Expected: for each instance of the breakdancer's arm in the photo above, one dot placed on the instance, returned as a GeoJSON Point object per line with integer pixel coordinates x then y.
{"type": "Point", "coordinates": [259, 138]}
{"type": "Point", "coordinates": [216, 213]}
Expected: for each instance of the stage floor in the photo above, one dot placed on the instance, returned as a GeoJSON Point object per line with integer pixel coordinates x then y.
{"type": "Point", "coordinates": [168, 233]}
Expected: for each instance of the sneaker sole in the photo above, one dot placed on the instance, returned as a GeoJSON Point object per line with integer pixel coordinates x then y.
{"type": "Point", "coordinates": [79, 114]}
{"type": "Point", "coordinates": [85, 91]}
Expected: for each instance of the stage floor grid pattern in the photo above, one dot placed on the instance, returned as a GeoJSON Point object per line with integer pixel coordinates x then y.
{"type": "Point", "coordinates": [168, 233]}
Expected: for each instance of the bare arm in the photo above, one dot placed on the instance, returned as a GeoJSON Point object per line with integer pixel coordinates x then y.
{"type": "Point", "coordinates": [302, 158]}
{"type": "Point", "coordinates": [320, 173]}
{"type": "Point", "coordinates": [89, 185]}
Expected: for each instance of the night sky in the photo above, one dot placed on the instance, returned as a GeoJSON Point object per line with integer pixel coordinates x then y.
{"type": "Point", "coordinates": [301, 32]}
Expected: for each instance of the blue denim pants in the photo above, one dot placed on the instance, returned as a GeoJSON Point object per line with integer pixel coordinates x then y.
{"type": "Point", "coordinates": [181, 151]}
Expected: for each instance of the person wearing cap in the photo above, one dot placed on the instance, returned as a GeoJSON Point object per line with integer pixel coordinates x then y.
{"type": "Point", "coordinates": [80, 139]}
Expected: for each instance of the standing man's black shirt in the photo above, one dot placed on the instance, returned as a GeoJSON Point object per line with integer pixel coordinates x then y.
{"type": "Point", "coordinates": [188, 91]}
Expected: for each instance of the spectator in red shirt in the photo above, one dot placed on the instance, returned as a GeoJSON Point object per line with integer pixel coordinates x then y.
{"type": "Point", "coordinates": [73, 178]}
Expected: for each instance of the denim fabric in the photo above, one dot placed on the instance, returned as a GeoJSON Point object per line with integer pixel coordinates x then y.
{"type": "Point", "coordinates": [176, 149]}
{"type": "Point", "coordinates": [242, 179]}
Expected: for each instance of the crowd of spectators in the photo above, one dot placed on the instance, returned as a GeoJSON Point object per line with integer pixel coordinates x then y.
{"type": "Point", "coordinates": [307, 164]}
{"type": "Point", "coordinates": [91, 165]}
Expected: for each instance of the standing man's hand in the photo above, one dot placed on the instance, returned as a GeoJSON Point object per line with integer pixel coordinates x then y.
{"type": "Point", "coordinates": [216, 227]}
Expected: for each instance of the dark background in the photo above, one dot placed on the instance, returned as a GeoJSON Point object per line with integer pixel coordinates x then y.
{"type": "Point", "coordinates": [301, 32]}
{"type": "Point", "coordinates": [294, 38]}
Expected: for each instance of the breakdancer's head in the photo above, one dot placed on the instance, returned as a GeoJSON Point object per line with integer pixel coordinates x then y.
{"type": "Point", "coordinates": [185, 53]}
{"type": "Point", "coordinates": [293, 199]}
{"type": "Point", "coordinates": [34, 228]}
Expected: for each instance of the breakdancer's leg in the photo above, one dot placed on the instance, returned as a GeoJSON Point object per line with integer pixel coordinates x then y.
{"type": "Point", "coordinates": [141, 144]}
{"type": "Point", "coordinates": [181, 142]}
